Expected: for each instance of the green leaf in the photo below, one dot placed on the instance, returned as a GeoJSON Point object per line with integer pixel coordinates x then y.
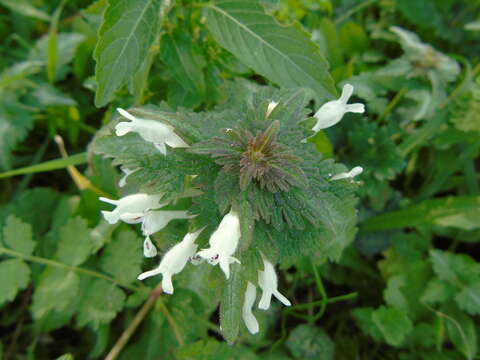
{"type": "Point", "coordinates": [122, 258]}
{"type": "Point", "coordinates": [210, 349]}
{"type": "Point", "coordinates": [309, 342]}
{"type": "Point", "coordinates": [17, 235]}
{"type": "Point", "coordinates": [128, 31]}
{"type": "Point", "coordinates": [25, 8]}
{"type": "Point", "coordinates": [461, 331]}
{"type": "Point", "coordinates": [231, 304]}
{"type": "Point", "coordinates": [62, 163]}
{"type": "Point", "coordinates": [57, 290]}
{"type": "Point", "coordinates": [448, 211]}
{"type": "Point", "coordinates": [454, 268]}
{"type": "Point", "coordinates": [15, 277]}
{"type": "Point", "coordinates": [52, 44]}
{"type": "Point", "coordinates": [284, 55]}
{"type": "Point", "coordinates": [393, 323]}
{"type": "Point", "coordinates": [469, 299]}
{"type": "Point", "coordinates": [437, 292]}
{"type": "Point", "coordinates": [75, 243]}
{"type": "Point", "coordinates": [100, 304]}
{"type": "Point", "coordinates": [363, 318]}
{"type": "Point", "coordinates": [66, 357]}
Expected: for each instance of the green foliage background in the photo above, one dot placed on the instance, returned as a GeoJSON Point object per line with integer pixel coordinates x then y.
{"type": "Point", "coordinates": [407, 287]}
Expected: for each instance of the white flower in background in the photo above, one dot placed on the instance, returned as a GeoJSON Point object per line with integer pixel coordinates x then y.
{"type": "Point", "coordinates": [132, 208]}
{"type": "Point", "coordinates": [174, 261]}
{"type": "Point", "coordinates": [123, 181]}
{"type": "Point", "coordinates": [332, 112]}
{"type": "Point", "coordinates": [271, 106]}
{"type": "Point", "coordinates": [357, 170]}
{"type": "Point", "coordinates": [250, 321]}
{"type": "Point", "coordinates": [267, 280]}
{"type": "Point", "coordinates": [150, 130]}
{"type": "Point", "coordinates": [155, 221]}
{"type": "Point", "coordinates": [223, 243]}
{"type": "Point", "coordinates": [149, 250]}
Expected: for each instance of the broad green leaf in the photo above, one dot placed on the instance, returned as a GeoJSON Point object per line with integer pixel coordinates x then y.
{"type": "Point", "coordinates": [100, 303]}
{"type": "Point", "coordinates": [363, 318]}
{"type": "Point", "coordinates": [393, 323]}
{"type": "Point", "coordinates": [122, 258]}
{"type": "Point", "coordinates": [452, 211]}
{"type": "Point", "coordinates": [128, 31]}
{"type": "Point", "coordinates": [437, 292]}
{"type": "Point", "coordinates": [462, 332]}
{"type": "Point", "coordinates": [57, 290]}
{"type": "Point", "coordinates": [457, 269]}
{"type": "Point", "coordinates": [17, 235]}
{"type": "Point", "coordinates": [231, 304]}
{"type": "Point", "coordinates": [77, 159]}
{"type": "Point", "coordinates": [309, 342]}
{"type": "Point", "coordinates": [75, 243]}
{"type": "Point", "coordinates": [15, 275]}
{"type": "Point", "coordinates": [25, 8]}
{"type": "Point", "coordinates": [469, 299]}
{"type": "Point", "coordinates": [284, 55]}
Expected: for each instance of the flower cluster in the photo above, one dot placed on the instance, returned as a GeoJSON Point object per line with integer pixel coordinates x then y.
{"type": "Point", "coordinates": [261, 160]}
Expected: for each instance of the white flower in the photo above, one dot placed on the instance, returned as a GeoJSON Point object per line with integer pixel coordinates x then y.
{"type": "Point", "coordinates": [271, 106]}
{"type": "Point", "coordinates": [357, 170]}
{"type": "Point", "coordinates": [150, 130]}
{"type": "Point", "coordinates": [149, 250]}
{"type": "Point", "coordinates": [174, 261]}
{"type": "Point", "coordinates": [123, 181]}
{"type": "Point", "coordinates": [155, 221]}
{"type": "Point", "coordinates": [223, 243]}
{"type": "Point", "coordinates": [267, 280]}
{"type": "Point", "coordinates": [250, 321]}
{"type": "Point", "coordinates": [132, 208]}
{"type": "Point", "coordinates": [332, 112]}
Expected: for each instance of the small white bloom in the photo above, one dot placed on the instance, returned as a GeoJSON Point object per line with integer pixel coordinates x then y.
{"type": "Point", "coordinates": [174, 261]}
{"type": "Point", "coordinates": [271, 106]}
{"type": "Point", "coordinates": [223, 243]}
{"type": "Point", "coordinates": [332, 112]}
{"type": "Point", "coordinates": [132, 208]}
{"type": "Point", "coordinates": [250, 321]}
{"type": "Point", "coordinates": [357, 170]}
{"type": "Point", "coordinates": [149, 250]}
{"type": "Point", "coordinates": [267, 280]}
{"type": "Point", "coordinates": [123, 181]}
{"type": "Point", "coordinates": [150, 130]}
{"type": "Point", "coordinates": [155, 221]}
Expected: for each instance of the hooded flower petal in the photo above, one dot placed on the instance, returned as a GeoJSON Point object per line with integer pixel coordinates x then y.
{"type": "Point", "coordinates": [267, 280]}
{"type": "Point", "coordinates": [149, 250]}
{"type": "Point", "coordinates": [150, 130]}
{"type": "Point", "coordinates": [174, 261]}
{"type": "Point", "coordinates": [250, 321]}
{"type": "Point", "coordinates": [332, 112]}
{"type": "Point", "coordinates": [131, 208]}
{"type": "Point", "coordinates": [271, 106]}
{"type": "Point", "coordinates": [123, 181]}
{"type": "Point", "coordinates": [156, 220]}
{"type": "Point", "coordinates": [357, 170]}
{"type": "Point", "coordinates": [223, 243]}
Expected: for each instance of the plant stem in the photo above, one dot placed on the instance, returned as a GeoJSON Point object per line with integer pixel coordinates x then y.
{"type": "Point", "coordinates": [396, 99]}
{"type": "Point", "coordinates": [353, 10]}
{"type": "Point", "coordinates": [320, 302]}
{"type": "Point", "coordinates": [130, 330]}
{"type": "Point", "coordinates": [58, 264]}
{"type": "Point", "coordinates": [321, 290]}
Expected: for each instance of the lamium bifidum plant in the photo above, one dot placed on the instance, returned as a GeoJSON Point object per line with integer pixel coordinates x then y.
{"type": "Point", "coordinates": [255, 191]}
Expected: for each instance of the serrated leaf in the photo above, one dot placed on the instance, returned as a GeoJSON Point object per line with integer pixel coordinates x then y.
{"type": "Point", "coordinates": [309, 342]}
{"type": "Point", "coordinates": [57, 290]}
{"type": "Point", "coordinates": [75, 244]}
{"type": "Point", "coordinates": [122, 258]}
{"type": "Point", "coordinates": [17, 235]}
{"type": "Point", "coordinates": [231, 304]}
{"type": "Point", "coordinates": [437, 292]}
{"type": "Point", "coordinates": [468, 299]}
{"type": "Point", "coordinates": [284, 55]}
{"type": "Point", "coordinates": [128, 31]}
{"type": "Point", "coordinates": [393, 323]}
{"type": "Point", "coordinates": [455, 268]}
{"type": "Point", "coordinates": [363, 318]}
{"type": "Point", "coordinates": [15, 277]}
{"type": "Point", "coordinates": [100, 303]}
